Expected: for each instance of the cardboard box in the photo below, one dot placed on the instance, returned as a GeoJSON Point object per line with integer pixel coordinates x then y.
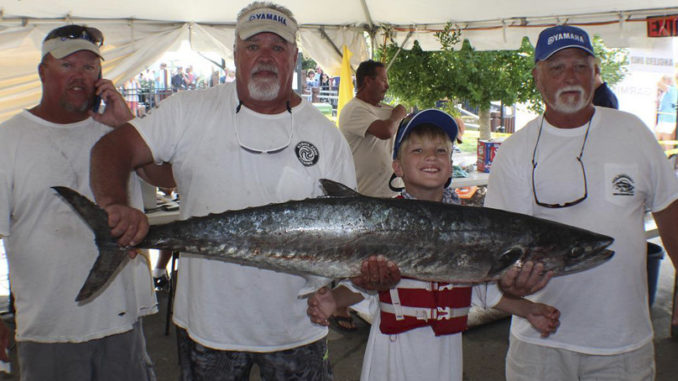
{"type": "Point", "coordinates": [487, 149]}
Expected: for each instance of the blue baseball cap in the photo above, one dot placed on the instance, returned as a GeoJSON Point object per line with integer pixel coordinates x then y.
{"type": "Point", "coordinates": [430, 116]}
{"type": "Point", "coordinates": [557, 38]}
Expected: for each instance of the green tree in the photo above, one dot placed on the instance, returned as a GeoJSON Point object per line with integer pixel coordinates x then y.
{"type": "Point", "coordinates": [421, 78]}
{"type": "Point", "coordinates": [612, 61]}
{"type": "Point", "coordinates": [307, 63]}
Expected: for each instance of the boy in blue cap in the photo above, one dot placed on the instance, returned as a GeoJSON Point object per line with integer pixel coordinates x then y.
{"type": "Point", "coordinates": [406, 342]}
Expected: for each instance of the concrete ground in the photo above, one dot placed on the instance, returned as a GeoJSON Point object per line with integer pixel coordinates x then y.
{"type": "Point", "coordinates": [484, 346]}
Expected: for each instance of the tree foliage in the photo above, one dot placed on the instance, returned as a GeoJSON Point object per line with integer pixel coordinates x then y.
{"type": "Point", "coordinates": [612, 61]}
{"type": "Point", "coordinates": [421, 78]}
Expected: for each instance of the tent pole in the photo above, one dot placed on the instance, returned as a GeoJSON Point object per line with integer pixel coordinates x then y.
{"type": "Point", "coordinates": [327, 37]}
{"type": "Point", "coordinates": [399, 50]}
{"type": "Point", "coordinates": [368, 17]}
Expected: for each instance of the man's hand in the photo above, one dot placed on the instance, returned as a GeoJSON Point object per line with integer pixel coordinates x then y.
{"type": "Point", "coordinates": [398, 113]}
{"type": "Point", "coordinates": [544, 318]}
{"type": "Point", "coordinates": [320, 306]}
{"type": "Point", "coordinates": [376, 273]}
{"type": "Point", "coordinates": [525, 280]}
{"type": "Point", "coordinates": [129, 225]}
{"type": "Point", "coordinates": [116, 112]}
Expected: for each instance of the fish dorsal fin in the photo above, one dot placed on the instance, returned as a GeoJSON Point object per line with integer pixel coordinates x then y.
{"type": "Point", "coordinates": [335, 189]}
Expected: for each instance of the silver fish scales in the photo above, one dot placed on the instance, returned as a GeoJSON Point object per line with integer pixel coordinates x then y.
{"type": "Point", "coordinates": [331, 236]}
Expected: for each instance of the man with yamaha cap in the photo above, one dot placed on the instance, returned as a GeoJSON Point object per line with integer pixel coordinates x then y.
{"type": "Point", "coordinates": [599, 169]}
{"type": "Point", "coordinates": [49, 248]}
{"type": "Point", "coordinates": [243, 144]}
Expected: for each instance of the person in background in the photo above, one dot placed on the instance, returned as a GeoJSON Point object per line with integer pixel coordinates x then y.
{"type": "Point", "coordinates": [325, 87]}
{"type": "Point", "coordinates": [146, 85]}
{"type": "Point", "coordinates": [249, 143]}
{"type": "Point", "coordinates": [599, 169]}
{"type": "Point", "coordinates": [318, 76]}
{"type": "Point", "coordinates": [325, 82]}
{"type": "Point", "coordinates": [603, 96]}
{"type": "Point", "coordinates": [49, 248]}
{"type": "Point", "coordinates": [666, 116]}
{"type": "Point", "coordinates": [310, 80]}
{"type": "Point", "coordinates": [402, 345]}
{"type": "Point", "coordinates": [160, 275]}
{"type": "Point", "coordinates": [163, 83]}
{"type": "Point", "coordinates": [369, 127]}
{"type": "Point", "coordinates": [131, 89]}
{"type": "Point", "coordinates": [179, 80]}
{"type": "Point", "coordinates": [664, 83]}
{"type": "Point", "coordinates": [190, 78]}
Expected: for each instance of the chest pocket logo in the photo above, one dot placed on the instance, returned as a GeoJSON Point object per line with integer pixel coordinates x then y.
{"type": "Point", "coordinates": [307, 153]}
{"type": "Point", "coordinates": [623, 185]}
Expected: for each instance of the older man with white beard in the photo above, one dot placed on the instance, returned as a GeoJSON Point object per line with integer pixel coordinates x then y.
{"type": "Point", "coordinates": [243, 144]}
{"type": "Point", "coordinates": [599, 169]}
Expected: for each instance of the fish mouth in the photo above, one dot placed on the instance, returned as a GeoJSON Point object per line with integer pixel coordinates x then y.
{"type": "Point", "coordinates": [593, 260]}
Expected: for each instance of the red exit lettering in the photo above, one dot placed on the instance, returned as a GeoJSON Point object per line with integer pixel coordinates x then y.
{"type": "Point", "coordinates": [664, 26]}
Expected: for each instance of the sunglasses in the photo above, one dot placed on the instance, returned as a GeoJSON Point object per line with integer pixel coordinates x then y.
{"type": "Point", "coordinates": [581, 164]}
{"type": "Point", "coordinates": [75, 32]}
{"type": "Point", "coordinates": [251, 149]}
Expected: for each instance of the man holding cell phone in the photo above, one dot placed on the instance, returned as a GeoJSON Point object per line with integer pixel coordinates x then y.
{"type": "Point", "coordinates": [49, 249]}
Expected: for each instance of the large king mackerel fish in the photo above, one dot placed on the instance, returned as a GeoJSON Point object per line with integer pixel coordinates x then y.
{"type": "Point", "coordinates": [331, 236]}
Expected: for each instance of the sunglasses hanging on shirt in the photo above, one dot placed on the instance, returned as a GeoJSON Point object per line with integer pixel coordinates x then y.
{"type": "Point", "coordinates": [581, 163]}
{"type": "Point", "coordinates": [251, 149]}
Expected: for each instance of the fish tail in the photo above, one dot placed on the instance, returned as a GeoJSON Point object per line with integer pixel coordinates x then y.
{"type": "Point", "coordinates": [110, 255]}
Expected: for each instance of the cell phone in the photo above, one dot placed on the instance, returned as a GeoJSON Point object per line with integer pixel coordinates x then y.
{"type": "Point", "coordinates": [97, 99]}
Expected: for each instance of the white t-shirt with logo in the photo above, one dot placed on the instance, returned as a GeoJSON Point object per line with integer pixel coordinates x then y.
{"type": "Point", "coordinates": [222, 305]}
{"type": "Point", "coordinates": [604, 310]}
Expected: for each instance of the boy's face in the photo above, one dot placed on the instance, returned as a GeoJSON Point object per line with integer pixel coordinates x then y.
{"type": "Point", "coordinates": [424, 163]}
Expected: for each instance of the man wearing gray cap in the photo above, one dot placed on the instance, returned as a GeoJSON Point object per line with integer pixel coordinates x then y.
{"type": "Point", "coordinates": [242, 144]}
{"type": "Point", "coordinates": [49, 248]}
{"type": "Point", "coordinates": [600, 169]}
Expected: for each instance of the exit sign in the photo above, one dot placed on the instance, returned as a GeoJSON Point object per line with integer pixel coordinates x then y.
{"type": "Point", "coordinates": [662, 26]}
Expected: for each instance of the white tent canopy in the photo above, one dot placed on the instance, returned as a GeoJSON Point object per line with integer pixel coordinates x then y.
{"type": "Point", "coordinates": [137, 33]}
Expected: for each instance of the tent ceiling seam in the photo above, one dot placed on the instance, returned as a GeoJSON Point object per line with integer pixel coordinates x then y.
{"type": "Point", "coordinates": [368, 16]}
{"type": "Point", "coordinates": [511, 22]}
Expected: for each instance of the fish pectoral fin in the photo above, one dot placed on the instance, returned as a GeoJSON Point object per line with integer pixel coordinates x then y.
{"type": "Point", "coordinates": [313, 284]}
{"type": "Point", "coordinates": [507, 259]}
{"type": "Point", "coordinates": [335, 189]}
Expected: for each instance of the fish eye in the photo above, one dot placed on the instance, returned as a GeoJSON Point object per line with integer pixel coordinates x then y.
{"type": "Point", "coordinates": [576, 252]}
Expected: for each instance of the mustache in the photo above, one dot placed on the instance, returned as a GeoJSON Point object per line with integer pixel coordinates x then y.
{"type": "Point", "coordinates": [264, 67]}
{"type": "Point", "coordinates": [77, 83]}
{"type": "Point", "coordinates": [577, 88]}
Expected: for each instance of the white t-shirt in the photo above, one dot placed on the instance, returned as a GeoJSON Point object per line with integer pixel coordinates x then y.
{"type": "Point", "coordinates": [49, 247]}
{"type": "Point", "coordinates": [417, 354]}
{"type": "Point", "coordinates": [372, 156]}
{"type": "Point", "coordinates": [604, 310]}
{"type": "Point", "coordinates": [222, 305]}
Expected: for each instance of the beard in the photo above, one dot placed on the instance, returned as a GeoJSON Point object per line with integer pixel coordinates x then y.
{"type": "Point", "coordinates": [72, 107]}
{"type": "Point", "coordinates": [570, 104]}
{"type": "Point", "coordinates": [264, 89]}
{"type": "Point", "coordinates": [78, 103]}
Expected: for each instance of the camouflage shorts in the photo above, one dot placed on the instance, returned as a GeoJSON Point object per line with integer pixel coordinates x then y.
{"type": "Point", "coordinates": [305, 363]}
